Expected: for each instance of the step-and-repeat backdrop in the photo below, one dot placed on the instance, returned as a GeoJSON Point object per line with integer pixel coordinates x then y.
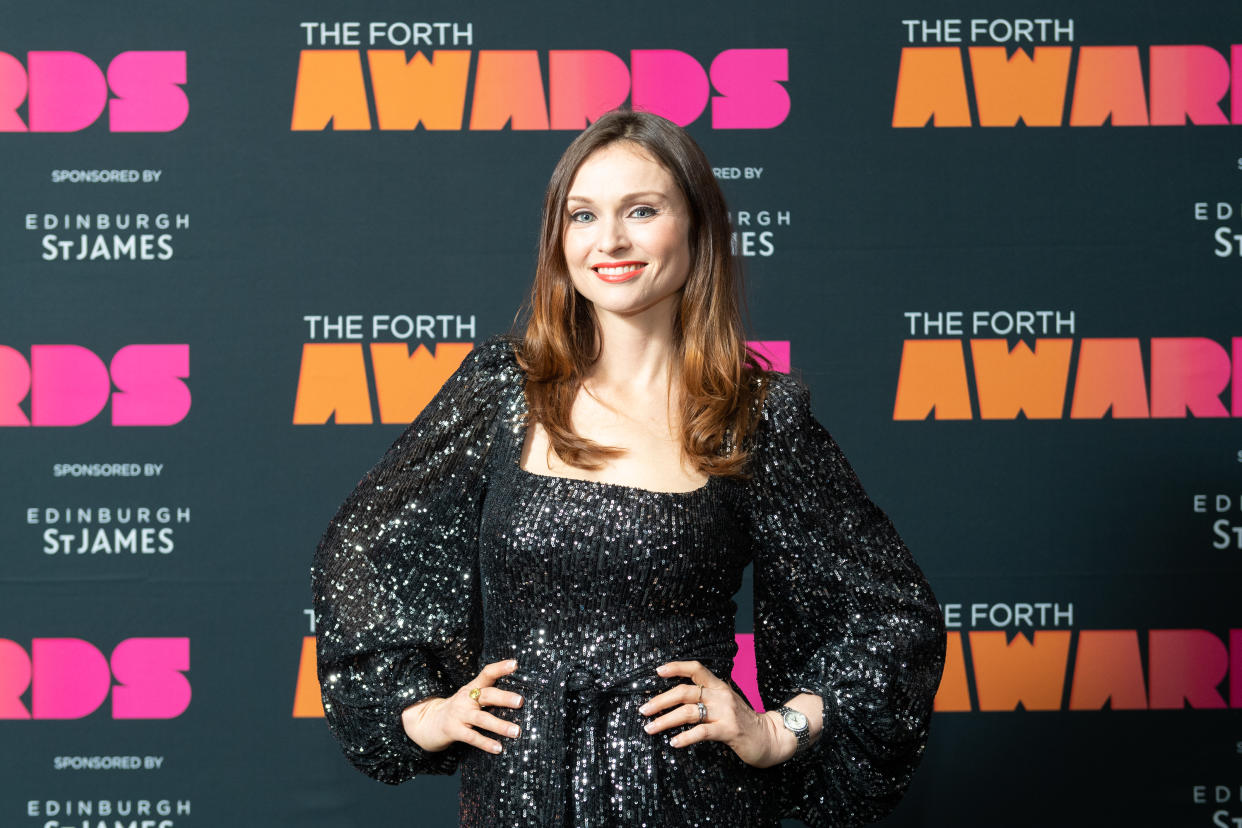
{"type": "Point", "coordinates": [244, 243]}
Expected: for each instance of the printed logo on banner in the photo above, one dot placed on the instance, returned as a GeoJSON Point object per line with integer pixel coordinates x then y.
{"type": "Point", "coordinates": [68, 92]}
{"type": "Point", "coordinates": [1121, 377]}
{"type": "Point", "coordinates": [69, 385]}
{"type": "Point", "coordinates": [307, 697]}
{"type": "Point", "coordinates": [1183, 84]}
{"type": "Point", "coordinates": [69, 678]}
{"type": "Point", "coordinates": [105, 237]}
{"type": "Point", "coordinates": [82, 811]}
{"type": "Point", "coordinates": [498, 88]}
{"type": "Point", "coordinates": [1021, 659]}
{"type": "Point", "coordinates": [1225, 800]}
{"type": "Point", "coordinates": [106, 531]}
{"type": "Point", "coordinates": [334, 383]}
{"type": "Point", "coordinates": [1226, 528]}
{"type": "Point", "coordinates": [1226, 241]}
{"type": "Point", "coordinates": [61, 91]}
{"type": "Point", "coordinates": [754, 231]}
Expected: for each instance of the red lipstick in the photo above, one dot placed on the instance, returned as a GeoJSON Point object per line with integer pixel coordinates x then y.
{"type": "Point", "coordinates": [617, 272]}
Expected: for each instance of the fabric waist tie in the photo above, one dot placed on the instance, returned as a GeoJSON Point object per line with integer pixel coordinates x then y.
{"type": "Point", "coordinates": [580, 690]}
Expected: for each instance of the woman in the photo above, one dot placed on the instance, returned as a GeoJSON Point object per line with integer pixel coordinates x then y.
{"type": "Point", "coordinates": [535, 583]}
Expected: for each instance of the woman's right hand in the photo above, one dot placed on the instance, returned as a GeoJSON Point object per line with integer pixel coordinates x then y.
{"type": "Point", "coordinates": [434, 724]}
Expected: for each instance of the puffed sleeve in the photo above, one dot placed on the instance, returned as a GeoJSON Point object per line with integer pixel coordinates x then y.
{"type": "Point", "coordinates": [395, 581]}
{"type": "Point", "coordinates": [841, 611]}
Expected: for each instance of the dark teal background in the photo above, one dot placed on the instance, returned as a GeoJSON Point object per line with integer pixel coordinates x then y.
{"type": "Point", "coordinates": [283, 224]}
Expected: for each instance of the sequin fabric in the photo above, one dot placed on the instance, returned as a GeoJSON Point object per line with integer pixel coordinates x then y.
{"type": "Point", "coordinates": [449, 556]}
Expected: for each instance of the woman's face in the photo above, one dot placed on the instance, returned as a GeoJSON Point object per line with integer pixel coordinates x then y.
{"type": "Point", "coordinates": [627, 232]}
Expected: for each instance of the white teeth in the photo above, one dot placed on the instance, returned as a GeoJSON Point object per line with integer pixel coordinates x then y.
{"type": "Point", "coordinates": [617, 271]}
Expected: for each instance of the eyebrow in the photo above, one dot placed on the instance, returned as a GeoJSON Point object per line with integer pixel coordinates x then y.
{"type": "Point", "coordinates": [626, 197]}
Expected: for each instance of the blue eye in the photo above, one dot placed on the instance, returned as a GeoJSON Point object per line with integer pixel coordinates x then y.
{"type": "Point", "coordinates": [643, 212]}
{"type": "Point", "coordinates": [581, 216]}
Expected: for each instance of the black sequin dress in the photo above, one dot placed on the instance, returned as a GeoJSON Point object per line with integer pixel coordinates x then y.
{"type": "Point", "coordinates": [449, 556]}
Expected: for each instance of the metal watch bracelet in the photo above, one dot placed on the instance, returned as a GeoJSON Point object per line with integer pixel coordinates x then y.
{"type": "Point", "coordinates": [796, 722]}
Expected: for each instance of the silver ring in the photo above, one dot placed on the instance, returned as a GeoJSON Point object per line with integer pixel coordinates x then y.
{"type": "Point", "coordinates": [702, 711]}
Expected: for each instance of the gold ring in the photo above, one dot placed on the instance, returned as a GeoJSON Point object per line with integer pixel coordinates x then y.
{"type": "Point", "coordinates": [474, 693]}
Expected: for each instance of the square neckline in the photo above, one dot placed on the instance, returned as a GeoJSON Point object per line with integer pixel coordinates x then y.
{"type": "Point", "coordinates": [524, 429]}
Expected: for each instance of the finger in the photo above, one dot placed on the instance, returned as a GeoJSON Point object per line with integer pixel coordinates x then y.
{"type": "Point", "coordinates": [473, 737]}
{"type": "Point", "coordinates": [488, 675]}
{"type": "Point", "coordinates": [681, 694]}
{"type": "Point", "coordinates": [698, 733]}
{"type": "Point", "coordinates": [692, 670]}
{"type": "Point", "coordinates": [494, 724]}
{"type": "Point", "coordinates": [683, 715]}
{"type": "Point", "coordinates": [495, 697]}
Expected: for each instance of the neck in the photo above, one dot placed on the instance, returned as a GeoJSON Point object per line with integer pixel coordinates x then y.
{"type": "Point", "coordinates": [637, 350]}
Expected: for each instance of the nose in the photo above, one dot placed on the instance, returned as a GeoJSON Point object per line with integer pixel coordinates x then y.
{"type": "Point", "coordinates": [612, 236]}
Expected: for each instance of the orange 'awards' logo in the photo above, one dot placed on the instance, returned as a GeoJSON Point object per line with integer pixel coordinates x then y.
{"type": "Point", "coordinates": [1187, 375]}
{"type": "Point", "coordinates": [333, 383]}
{"type": "Point", "coordinates": [307, 697]}
{"type": "Point", "coordinates": [1186, 83]}
{"type": "Point", "coordinates": [1184, 667]}
{"type": "Point", "coordinates": [508, 88]}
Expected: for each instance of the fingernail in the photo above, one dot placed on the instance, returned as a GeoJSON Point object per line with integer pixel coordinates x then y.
{"type": "Point", "coordinates": [512, 662]}
{"type": "Point", "coordinates": [494, 748]}
{"type": "Point", "coordinates": [643, 710]}
{"type": "Point", "coordinates": [662, 669]}
{"type": "Point", "coordinates": [649, 726]}
{"type": "Point", "coordinates": [675, 741]}
{"type": "Point", "coordinates": [513, 731]}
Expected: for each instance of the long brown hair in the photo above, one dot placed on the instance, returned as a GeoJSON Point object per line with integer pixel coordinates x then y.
{"type": "Point", "coordinates": [722, 382]}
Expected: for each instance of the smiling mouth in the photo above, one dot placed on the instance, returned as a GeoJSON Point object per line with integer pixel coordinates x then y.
{"type": "Point", "coordinates": [619, 272]}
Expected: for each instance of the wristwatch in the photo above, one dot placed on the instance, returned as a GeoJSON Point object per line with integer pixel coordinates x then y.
{"type": "Point", "coordinates": [796, 723]}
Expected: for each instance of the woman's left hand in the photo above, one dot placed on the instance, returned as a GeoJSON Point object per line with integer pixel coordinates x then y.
{"type": "Point", "coordinates": [758, 739]}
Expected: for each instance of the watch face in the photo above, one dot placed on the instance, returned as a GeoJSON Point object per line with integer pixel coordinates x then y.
{"type": "Point", "coordinates": [795, 720]}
